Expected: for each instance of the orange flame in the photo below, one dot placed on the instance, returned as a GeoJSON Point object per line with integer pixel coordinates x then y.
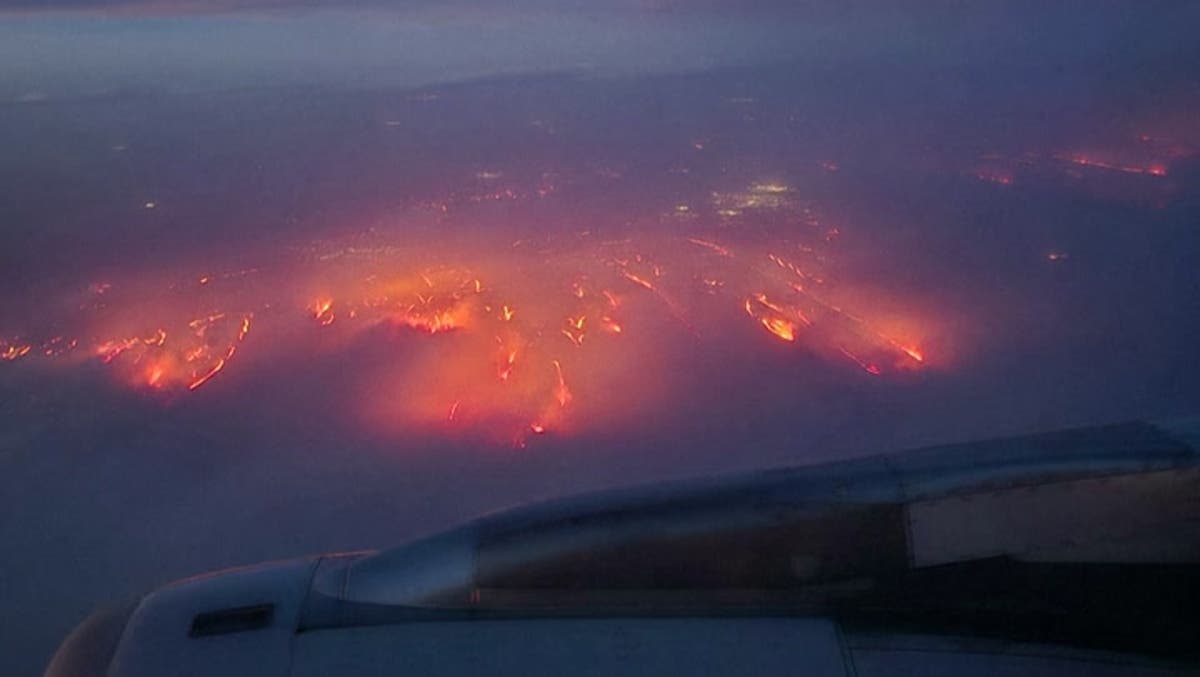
{"type": "Point", "coordinates": [322, 311]}
{"type": "Point", "coordinates": [781, 328]}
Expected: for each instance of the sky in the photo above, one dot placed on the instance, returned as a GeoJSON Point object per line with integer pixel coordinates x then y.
{"type": "Point", "coordinates": [286, 278]}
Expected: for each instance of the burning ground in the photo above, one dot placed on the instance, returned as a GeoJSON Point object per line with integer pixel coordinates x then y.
{"type": "Point", "coordinates": [525, 337]}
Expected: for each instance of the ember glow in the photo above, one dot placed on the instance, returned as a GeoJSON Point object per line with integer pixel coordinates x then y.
{"type": "Point", "coordinates": [186, 357]}
{"type": "Point", "coordinates": [1144, 156]}
{"type": "Point", "coordinates": [1087, 160]}
{"type": "Point", "coordinates": [497, 340]}
{"type": "Point", "coordinates": [528, 333]}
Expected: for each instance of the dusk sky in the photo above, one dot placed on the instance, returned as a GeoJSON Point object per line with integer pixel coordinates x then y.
{"type": "Point", "coordinates": [283, 278]}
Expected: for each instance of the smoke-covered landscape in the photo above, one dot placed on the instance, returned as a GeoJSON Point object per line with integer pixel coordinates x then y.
{"type": "Point", "coordinates": [285, 280]}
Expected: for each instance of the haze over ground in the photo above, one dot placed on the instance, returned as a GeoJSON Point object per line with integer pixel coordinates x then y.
{"type": "Point", "coordinates": [822, 232]}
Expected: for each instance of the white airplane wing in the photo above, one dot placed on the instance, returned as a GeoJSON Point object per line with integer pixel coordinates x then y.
{"type": "Point", "coordinates": [1075, 552]}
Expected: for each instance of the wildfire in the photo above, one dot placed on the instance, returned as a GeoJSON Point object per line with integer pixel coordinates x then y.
{"type": "Point", "coordinates": [639, 281]}
{"type": "Point", "coordinates": [711, 246]}
{"type": "Point", "coordinates": [322, 311]}
{"type": "Point", "coordinates": [506, 365]}
{"type": "Point", "coordinates": [11, 351]}
{"type": "Point", "coordinates": [781, 328]}
{"type": "Point", "coordinates": [1135, 156]}
{"type": "Point", "coordinates": [562, 394]}
{"type": "Point", "coordinates": [470, 361]}
{"type": "Point", "coordinates": [1085, 160]}
{"type": "Point", "coordinates": [869, 367]}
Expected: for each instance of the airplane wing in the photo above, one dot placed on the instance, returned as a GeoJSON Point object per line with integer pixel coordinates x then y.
{"type": "Point", "coordinates": [1073, 552]}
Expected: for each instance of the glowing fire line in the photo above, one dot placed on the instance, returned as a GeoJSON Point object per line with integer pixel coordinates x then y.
{"type": "Point", "coordinates": [529, 371]}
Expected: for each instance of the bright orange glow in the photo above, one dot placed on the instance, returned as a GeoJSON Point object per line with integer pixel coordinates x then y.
{"type": "Point", "coordinates": [111, 350]}
{"type": "Point", "coordinates": [13, 352]}
{"type": "Point", "coordinates": [585, 350]}
{"type": "Point", "coordinates": [322, 311]}
{"type": "Point", "coordinates": [163, 359]}
{"type": "Point", "coordinates": [781, 328]}
{"type": "Point", "coordinates": [562, 394]}
{"type": "Point", "coordinates": [506, 365]}
{"type": "Point", "coordinates": [773, 317]}
{"type": "Point", "coordinates": [637, 280]}
{"type": "Point", "coordinates": [712, 246]}
{"type": "Point", "coordinates": [155, 375]}
{"type": "Point", "coordinates": [216, 368]}
{"type": "Point", "coordinates": [433, 322]}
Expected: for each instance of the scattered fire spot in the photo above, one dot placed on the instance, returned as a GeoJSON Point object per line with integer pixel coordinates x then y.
{"type": "Point", "coordinates": [322, 311]}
